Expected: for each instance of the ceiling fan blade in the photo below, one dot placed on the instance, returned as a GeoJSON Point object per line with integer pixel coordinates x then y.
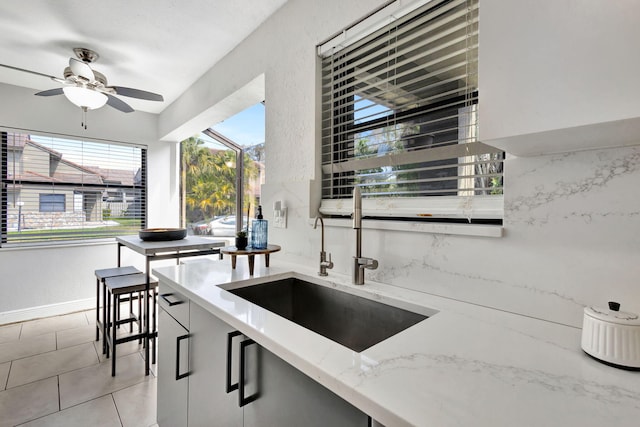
{"type": "Point", "coordinates": [66, 82]}
{"type": "Point", "coordinates": [81, 69]}
{"type": "Point", "coordinates": [137, 93]}
{"type": "Point", "coordinates": [50, 92]}
{"type": "Point", "coordinates": [118, 104]}
{"type": "Point", "coordinates": [27, 71]}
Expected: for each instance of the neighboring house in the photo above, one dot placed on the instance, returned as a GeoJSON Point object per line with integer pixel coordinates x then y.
{"type": "Point", "coordinates": [254, 186]}
{"type": "Point", "coordinates": [118, 200]}
{"type": "Point", "coordinates": [50, 191]}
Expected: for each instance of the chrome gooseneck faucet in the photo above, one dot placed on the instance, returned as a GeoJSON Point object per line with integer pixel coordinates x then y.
{"type": "Point", "coordinates": [360, 262]}
{"type": "Point", "coordinates": [324, 264]}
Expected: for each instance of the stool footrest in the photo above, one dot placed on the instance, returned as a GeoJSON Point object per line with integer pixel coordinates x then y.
{"type": "Point", "coordinates": [126, 338]}
{"type": "Point", "coordinates": [131, 319]}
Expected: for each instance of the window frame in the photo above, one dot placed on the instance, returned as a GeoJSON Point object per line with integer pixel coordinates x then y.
{"type": "Point", "coordinates": [133, 155]}
{"type": "Point", "coordinates": [453, 207]}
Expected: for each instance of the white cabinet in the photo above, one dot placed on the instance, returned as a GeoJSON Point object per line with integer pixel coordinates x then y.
{"type": "Point", "coordinates": [275, 393]}
{"type": "Point", "coordinates": [558, 75]}
{"type": "Point", "coordinates": [173, 359]}
{"type": "Point", "coordinates": [172, 384]}
{"type": "Point", "coordinates": [290, 398]}
{"type": "Point", "coordinates": [209, 402]}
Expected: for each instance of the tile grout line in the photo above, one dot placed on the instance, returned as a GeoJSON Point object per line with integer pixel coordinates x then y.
{"type": "Point", "coordinates": [6, 383]}
{"type": "Point", "coordinates": [38, 380]}
{"type": "Point", "coordinates": [48, 351]}
{"type": "Point", "coordinates": [70, 407]}
{"type": "Point", "coordinates": [116, 406]}
{"type": "Point", "coordinates": [96, 350]}
{"type": "Point", "coordinates": [59, 397]}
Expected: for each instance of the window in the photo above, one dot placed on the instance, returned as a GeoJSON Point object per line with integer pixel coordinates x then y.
{"type": "Point", "coordinates": [52, 202]}
{"type": "Point", "coordinates": [400, 113]}
{"type": "Point", "coordinates": [210, 162]}
{"type": "Point", "coordinates": [60, 189]}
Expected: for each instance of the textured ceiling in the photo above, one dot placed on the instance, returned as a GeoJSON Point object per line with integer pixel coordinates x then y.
{"type": "Point", "coordinates": [161, 46]}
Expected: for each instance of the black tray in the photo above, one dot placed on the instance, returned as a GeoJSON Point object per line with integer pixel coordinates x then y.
{"type": "Point", "coordinates": [162, 234]}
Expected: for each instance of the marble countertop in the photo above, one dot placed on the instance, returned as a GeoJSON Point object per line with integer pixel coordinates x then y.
{"type": "Point", "coordinates": [466, 365]}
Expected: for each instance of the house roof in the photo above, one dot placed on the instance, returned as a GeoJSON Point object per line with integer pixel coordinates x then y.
{"type": "Point", "coordinates": [51, 151]}
{"type": "Point", "coordinates": [16, 141]}
{"type": "Point", "coordinates": [94, 175]}
{"type": "Point", "coordinates": [60, 178]}
{"type": "Point", "coordinates": [118, 176]}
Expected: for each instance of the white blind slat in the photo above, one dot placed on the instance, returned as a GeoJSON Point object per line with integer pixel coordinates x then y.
{"type": "Point", "coordinates": [399, 109]}
{"type": "Point", "coordinates": [59, 189]}
{"type": "Point", "coordinates": [363, 32]}
{"type": "Point", "coordinates": [411, 157]}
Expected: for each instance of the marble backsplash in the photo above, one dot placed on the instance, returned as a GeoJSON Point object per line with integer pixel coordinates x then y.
{"type": "Point", "coordinates": [571, 239]}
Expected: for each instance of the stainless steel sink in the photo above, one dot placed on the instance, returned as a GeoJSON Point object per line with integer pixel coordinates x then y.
{"type": "Point", "coordinates": [353, 321]}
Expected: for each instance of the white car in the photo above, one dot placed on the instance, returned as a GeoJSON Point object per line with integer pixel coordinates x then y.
{"type": "Point", "coordinates": [200, 227]}
{"type": "Point", "coordinates": [225, 226]}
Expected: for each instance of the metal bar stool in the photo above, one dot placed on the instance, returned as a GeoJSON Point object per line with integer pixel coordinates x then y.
{"type": "Point", "coordinates": [116, 287]}
{"type": "Point", "coordinates": [101, 275]}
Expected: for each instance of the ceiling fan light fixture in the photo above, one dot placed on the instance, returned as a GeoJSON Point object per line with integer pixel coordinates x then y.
{"type": "Point", "coordinates": [85, 98]}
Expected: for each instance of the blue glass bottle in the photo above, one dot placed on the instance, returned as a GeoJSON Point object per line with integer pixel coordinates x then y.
{"type": "Point", "coordinates": [259, 231]}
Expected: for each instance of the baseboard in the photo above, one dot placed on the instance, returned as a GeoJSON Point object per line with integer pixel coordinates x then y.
{"type": "Point", "coordinates": [46, 311]}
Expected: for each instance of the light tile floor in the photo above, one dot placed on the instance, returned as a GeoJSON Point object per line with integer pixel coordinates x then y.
{"type": "Point", "coordinates": [53, 373]}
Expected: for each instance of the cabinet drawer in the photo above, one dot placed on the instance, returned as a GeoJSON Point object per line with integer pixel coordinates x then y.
{"type": "Point", "coordinates": [174, 303]}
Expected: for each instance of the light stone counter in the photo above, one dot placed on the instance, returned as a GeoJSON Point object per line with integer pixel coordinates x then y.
{"type": "Point", "coordinates": [465, 366]}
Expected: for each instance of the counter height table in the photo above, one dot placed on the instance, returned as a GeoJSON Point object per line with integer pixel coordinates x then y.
{"type": "Point", "coordinates": [190, 246]}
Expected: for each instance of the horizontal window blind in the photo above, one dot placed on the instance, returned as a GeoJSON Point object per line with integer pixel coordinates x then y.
{"type": "Point", "coordinates": [58, 189]}
{"type": "Point", "coordinates": [400, 118]}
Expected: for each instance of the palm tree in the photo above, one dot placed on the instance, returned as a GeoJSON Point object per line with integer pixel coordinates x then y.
{"type": "Point", "coordinates": [209, 182]}
{"type": "Point", "coordinates": [250, 173]}
{"type": "Point", "coordinates": [196, 165]}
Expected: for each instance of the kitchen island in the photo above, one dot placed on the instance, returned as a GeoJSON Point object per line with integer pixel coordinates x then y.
{"type": "Point", "coordinates": [465, 365]}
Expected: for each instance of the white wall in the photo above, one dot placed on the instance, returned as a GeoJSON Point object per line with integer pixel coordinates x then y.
{"type": "Point", "coordinates": [571, 220]}
{"type": "Point", "coordinates": [61, 275]}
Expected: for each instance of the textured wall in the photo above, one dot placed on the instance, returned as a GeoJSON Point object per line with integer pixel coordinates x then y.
{"type": "Point", "coordinates": [571, 231]}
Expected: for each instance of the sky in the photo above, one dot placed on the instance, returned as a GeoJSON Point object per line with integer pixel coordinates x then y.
{"type": "Point", "coordinates": [245, 128]}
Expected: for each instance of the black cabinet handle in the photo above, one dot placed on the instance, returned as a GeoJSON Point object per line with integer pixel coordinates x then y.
{"type": "Point", "coordinates": [180, 376]}
{"type": "Point", "coordinates": [244, 400]}
{"type": "Point", "coordinates": [165, 297]}
{"type": "Point", "coordinates": [230, 337]}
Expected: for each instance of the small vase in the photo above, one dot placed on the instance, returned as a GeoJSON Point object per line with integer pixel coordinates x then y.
{"type": "Point", "coordinates": [241, 243]}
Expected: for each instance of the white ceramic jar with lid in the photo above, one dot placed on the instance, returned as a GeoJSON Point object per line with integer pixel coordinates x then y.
{"type": "Point", "coordinates": [612, 336]}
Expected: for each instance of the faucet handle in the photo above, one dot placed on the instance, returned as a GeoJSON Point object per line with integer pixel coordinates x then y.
{"type": "Point", "coordinates": [324, 262]}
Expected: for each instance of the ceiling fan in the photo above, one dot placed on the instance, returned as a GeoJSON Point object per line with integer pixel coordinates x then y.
{"type": "Point", "coordinates": [87, 88]}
